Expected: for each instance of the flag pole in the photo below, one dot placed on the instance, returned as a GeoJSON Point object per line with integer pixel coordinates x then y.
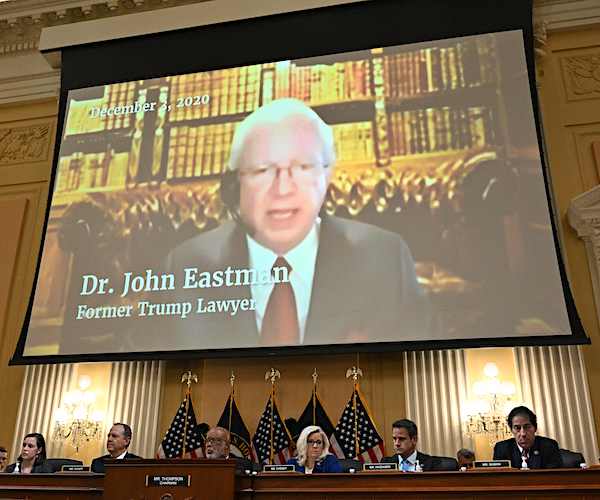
{"type": "Point", "coordinates": [231, 396]}
{"type": "Point", "coordinates": [315, 377]}
{"type": "Point", "coordinates": [355, 372]}
{"type": "Point", "coordinates": [272, 375]}
{"type": "Point", "coordinates": [187, 378]}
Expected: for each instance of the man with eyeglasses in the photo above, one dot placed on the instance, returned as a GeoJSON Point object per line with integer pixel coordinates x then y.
{"type": "Point", "coordinates": [526, 449]}
{"type": "Point", "coordinates": [344, 281]}
{"type": "Point", "coordinates": [218, 447]}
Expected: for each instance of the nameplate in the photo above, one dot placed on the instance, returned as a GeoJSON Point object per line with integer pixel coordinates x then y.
{"type": "Point", "coordinates": [378, 467]}
{"type": "Point", "coordinates": [75, 468]}
{"type": "Point", "coordinates": [482, 464]}
{"type": "Point", "coordinates": [279, 468]}
{"type": "Point", "coordinates": [168, 481]}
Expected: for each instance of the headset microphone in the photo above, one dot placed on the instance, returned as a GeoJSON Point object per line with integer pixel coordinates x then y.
{"type": "Point", "coordinates": [230, 196]}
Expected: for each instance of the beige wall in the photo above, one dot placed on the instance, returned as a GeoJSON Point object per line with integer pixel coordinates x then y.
{"type": "Point", "coordinates": [475, 361]}
{"type": "Point", "coordinates": [24, 175]}
{"type": "Point", "coordinates": [570, 100]}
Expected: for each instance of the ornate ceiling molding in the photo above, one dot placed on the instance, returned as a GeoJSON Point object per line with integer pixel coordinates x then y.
{"type": "Point", "coordinates": [21, 21]}
{"type": "Point", "coordinates": [566, 14]}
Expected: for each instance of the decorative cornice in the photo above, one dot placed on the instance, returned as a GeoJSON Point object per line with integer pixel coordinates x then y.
{"type": "Point", "coordinates": [584, 217]}
{"type": "Point", "coordinates": [22, 21]}
{"type": "Point", "coordinates": [584, 213]}
{"type": "Point", "coordinates": [566, 14]}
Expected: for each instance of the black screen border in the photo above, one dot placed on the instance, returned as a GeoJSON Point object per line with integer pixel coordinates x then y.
{"type": "Point", "coordinates": [331, 30]}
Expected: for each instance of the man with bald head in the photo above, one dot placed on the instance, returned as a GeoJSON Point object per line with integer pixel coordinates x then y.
{"type": "Point", "coordinates": [299, 277]}
{"type": "Point", "coordinates": [218, 447]}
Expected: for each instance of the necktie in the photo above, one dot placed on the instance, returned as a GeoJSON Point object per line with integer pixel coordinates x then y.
{"type": "Point", "coordinates": [280, 324]}
{"type": "Point", "coordinates": [405, 465]}
{"type": "Point", "coordinates": [524, 459]}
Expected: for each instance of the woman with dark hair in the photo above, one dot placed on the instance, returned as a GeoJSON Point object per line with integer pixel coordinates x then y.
{"type": "Point", "coordinates": [33, 456]}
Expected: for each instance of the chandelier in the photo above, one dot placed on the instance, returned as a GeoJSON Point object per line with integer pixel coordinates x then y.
{"type": "Point", "coordinates": [76, 420]}
{"type": "Point", "coordinates": [486, 415]}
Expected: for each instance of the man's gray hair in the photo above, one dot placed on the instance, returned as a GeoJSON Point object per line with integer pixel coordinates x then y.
{"type": "Point", "coordinates": [277, 113]}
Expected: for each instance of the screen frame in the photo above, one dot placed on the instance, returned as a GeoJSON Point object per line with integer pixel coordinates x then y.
{"type": "Point", "coordinates": [164, 54]}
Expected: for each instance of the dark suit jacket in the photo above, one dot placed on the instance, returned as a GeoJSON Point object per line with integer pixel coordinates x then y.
{"type": "Point", "coordinates": [544, 453]}
{"type": "Point", "coordinates": [42, 467]}
{"type": "Point", "coordinates": [243, 464]}
{"type": "Point", "coordinates": [98, 463]}
{"type": "Point", "coordinates": [329, 464]}
{"type": "Point", "coordinates": [364, 288]}
{"type": "Point", "coordinates": [427, 462]}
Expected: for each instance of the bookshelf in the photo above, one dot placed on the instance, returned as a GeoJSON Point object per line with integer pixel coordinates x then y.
{"type": "Point", "coordinates": [386, 106]}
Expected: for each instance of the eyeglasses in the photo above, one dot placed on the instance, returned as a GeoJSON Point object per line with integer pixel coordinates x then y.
{"type": "Point", "coordinates": [266, 174]}
{"type": "Point", "coordinates": [214, 441]}
{"type": "Point", "coordinates": [314, 442]}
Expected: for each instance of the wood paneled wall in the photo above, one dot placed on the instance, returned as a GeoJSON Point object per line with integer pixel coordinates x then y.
{"type": "Point", "coordinates": [26, 146]}
{"type": "Point", "coordinates": [382, 386]}
{"type": "Point", "coordinates": [570, 100]}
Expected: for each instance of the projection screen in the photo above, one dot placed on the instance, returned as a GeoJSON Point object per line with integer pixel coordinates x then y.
{"type": "Point", "coordinates": [388, 196]}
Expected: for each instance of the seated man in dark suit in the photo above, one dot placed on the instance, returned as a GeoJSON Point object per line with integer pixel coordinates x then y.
{"type": "Point", "coordinates": [527, 449]}
{"type": "Point", "coordinates": [218, 447]}
{"type": "Point", "coordinates": [117, 442]}
{"type": "Point", "coordinates": [405, 436]}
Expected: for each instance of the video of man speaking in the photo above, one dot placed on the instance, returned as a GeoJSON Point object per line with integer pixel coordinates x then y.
{"type": "Point", "coordinates": [387, 195]}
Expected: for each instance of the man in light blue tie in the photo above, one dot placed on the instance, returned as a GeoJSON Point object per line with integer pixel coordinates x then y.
{"type": "Point", "coordinates": [405, 436]}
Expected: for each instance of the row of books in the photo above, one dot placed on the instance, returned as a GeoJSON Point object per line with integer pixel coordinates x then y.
{"type": "Point", "coordinates": [240, 90]}
{"type": "Point", "coordinates": [228, 91]}
{"type": "Point", "coordinates": [204, 150]}
{"type": "Point", "coordinates": [321, 83]}
{"type": "Point", "coordinates": [199, 151]}
{"type": "Point", "coordinates": [466, 64]}
{"type": "Point", "coordinates": [85, 171]}
{"type": "Point", "coordinates": [470, 63]}
{"type": "Point", "coordinates": [119, 94]}
{"type": "Point", "coordinates": [440, 129]}
{"type": "Point", "coordinates": [354, 141]}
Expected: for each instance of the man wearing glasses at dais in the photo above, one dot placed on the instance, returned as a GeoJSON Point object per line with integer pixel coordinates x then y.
{"type": "Point", "coordinates": [306, 277]}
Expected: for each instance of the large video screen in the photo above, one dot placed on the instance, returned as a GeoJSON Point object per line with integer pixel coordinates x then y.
{"type": "Point", "coordinates": [393, 194]}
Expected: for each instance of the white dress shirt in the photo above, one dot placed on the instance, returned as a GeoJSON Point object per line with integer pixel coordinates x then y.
{"type": "Point", "coordinates": [411, 459]}
{"type": "Point", "coordinates": [302, 259]}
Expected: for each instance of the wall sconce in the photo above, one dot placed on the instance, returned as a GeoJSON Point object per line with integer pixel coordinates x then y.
{"type": "Point", "coordinates": [76, 420]}
{"type": "Point", "coordinates": [486, 415]}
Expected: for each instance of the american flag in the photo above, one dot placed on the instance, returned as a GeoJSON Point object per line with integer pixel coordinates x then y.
{"type": "Point", "coordinates": [282, 440]}
{"type": "Point", "coordinates": [315, 414]}
{"type": "Point", "coordinates": [172, 444]}
{"type": "Point", "coordinates": [357, 426]}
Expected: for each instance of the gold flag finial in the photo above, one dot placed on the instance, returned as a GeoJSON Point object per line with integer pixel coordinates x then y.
{"type": "Point", "coordinates": [354, 372]}
{"type": "Point", "coordinates": [189, 377]}
{"type": "Point", "coordinates": [315, 377]}
{"type": "Point", "coordinates": [273, 374]}
{"type": "Point", "coordinates": [232, 378]}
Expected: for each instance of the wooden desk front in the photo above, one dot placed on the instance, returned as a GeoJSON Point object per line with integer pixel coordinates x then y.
{"type": "Point", "coordinates": [497, 484]}
{"type": "Point", "coordinates": [61, 486]}
{"type": "Point", "coordinates": [563, 484]}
